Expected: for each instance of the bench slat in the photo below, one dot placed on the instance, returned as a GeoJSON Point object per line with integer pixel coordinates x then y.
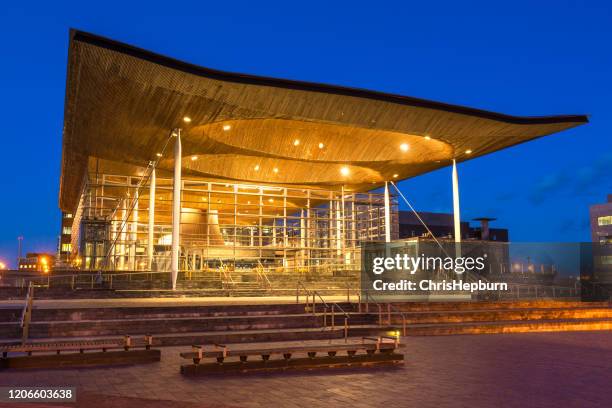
{"type": "Point", "coordinates": [295, 349]}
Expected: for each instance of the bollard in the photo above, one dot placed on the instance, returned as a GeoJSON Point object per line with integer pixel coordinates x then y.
{"type": "Point", "coordinates": [148, 341]}
{"type": "Point", "coordinates": [198, 351]}
{"type": "Point", "coordinates": [127, 342]}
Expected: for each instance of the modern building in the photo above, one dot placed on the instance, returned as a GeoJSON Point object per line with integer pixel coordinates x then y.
{"type": "Point", "coordinates": [601, 222]}
{"type": "Point", "coordinates": [36, 262]}
{"type": "Point", "coordinates": [601, 236]}
{"type": "Point", "coordinates": [442, 225]}
{"type": "Point", "coordinates": [169, 166]}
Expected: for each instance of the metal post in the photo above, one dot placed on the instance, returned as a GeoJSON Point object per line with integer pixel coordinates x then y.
{"type": "Point", "coordinates": [176, 209]}
{"type": "Point", "coordinates": [152, 187]}
{"type": "Point", "coordinates": [333, 318]}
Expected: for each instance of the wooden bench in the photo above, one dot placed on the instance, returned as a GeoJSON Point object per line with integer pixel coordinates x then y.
{"type": "Point", "coordinates": [371, 351]}
{"type": "Point", "coordinates": [75, 353]}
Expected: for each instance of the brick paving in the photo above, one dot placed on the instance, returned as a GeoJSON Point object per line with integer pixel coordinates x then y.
{"type": "Point", "coordinates": [509, 370]}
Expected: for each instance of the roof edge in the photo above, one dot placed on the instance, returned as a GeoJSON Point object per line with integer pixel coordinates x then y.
{"type": "Point", "coordinates": [103, 42]}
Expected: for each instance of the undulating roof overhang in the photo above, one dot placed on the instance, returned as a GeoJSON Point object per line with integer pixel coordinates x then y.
{"type": "Point", "coordinates": [122, 103]}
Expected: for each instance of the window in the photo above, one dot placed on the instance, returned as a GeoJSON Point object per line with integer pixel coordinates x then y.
{"type": "Point", "coordinates": [605, 260]}
{"type": "Point", "coordinates": [67, 215]}
{"type": "Point", "coordinates": [66, 247]}
{"type": "Point", "coordinates": [66, 230]}
{"type": "Point", "coordinates": [606, 220]}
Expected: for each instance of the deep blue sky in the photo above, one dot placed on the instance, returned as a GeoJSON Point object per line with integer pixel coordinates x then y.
{"type": "Point", "coordinates": [523, 58]}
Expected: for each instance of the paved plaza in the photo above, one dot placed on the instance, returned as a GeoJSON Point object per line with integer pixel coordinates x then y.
{"type": "Point", "coordinates": [513, 370]}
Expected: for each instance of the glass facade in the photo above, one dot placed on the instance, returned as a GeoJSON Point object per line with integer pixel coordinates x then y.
{"type": "Point", "coordinates": [234, 226]}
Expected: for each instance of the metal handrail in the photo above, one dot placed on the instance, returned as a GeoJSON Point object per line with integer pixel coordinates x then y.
{"type": "Point", "coordinates": [227, 276]}
{"type": "Point", "coordinates": [314, 294]}
{"type": "Point", "coordinates": [390, 306]}
{"type": "Point", "coordinates": [261, 275]}
{"type": "Point", "coordinates": [26, 314]}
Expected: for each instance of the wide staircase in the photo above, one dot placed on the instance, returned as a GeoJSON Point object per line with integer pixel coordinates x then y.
{"type": "Point", "coordinates": [176, 324]}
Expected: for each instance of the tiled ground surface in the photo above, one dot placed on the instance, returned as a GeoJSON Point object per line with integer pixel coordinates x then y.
{"type": "Point", "coordinates": [514, 370]}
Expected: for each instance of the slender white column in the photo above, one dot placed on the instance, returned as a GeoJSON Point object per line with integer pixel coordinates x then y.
{"type": "Point", "coordinates": [387, 214]}
{"type": "Point", "coordinates": [152, 187]}
{"type": "Point", "coordinates": [176, 209]}
{"type": "Point", "coordinates": [123, 235]}
{"type": "Point", "coordinates": [456, 213]}
{"type": "Point", "coordinates": [134, 235]}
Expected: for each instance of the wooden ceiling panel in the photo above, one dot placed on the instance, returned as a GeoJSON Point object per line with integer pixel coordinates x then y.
{"type": "Point", "coordinates": [122, 103]}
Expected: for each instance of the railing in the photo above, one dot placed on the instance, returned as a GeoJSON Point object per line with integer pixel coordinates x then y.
{"type": "Point", "coordinates": [228, 280]}
{"type": "Point", "coordinates": [262, 277]}
{"type": "Point", "coordinates": [541, 291]}
{"type": "Point", "coordinates": [389, 307]}
{"type": "Point", "coordinates": [312, 295]}
{"type": "Point", "coordinates": [26, 315]}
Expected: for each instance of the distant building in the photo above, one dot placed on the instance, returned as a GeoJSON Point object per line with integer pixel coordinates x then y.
{"type": "Point", "coordinates": [36, 262]}
{"type": "Point", "coordinates": [601, 236]}
{"type": "Point", "coordinates": [601, 222]}
{"type": "Point", "coordinates": [442, 226]}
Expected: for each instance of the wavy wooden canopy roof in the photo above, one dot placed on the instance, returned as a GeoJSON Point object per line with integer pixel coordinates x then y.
{"type": "Point", "coordinates": [122, 102]}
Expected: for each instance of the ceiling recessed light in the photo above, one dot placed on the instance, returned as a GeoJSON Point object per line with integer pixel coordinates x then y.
{"type": "Point", "coordinates": [256, 168]}
{"type": "Point", "coordinates": [186, 119]}
{"type": "Point", "coordinates": [427, 138]}
{"type": "Point", "coordinates": [227, 127]}
{"type": "Point", "coordinates": [194, 158]}
{"type": "Point", "coordinates": [395, 175]}
{"type": "Point", "coordinates": [296, 142]}
{"type": "Point", "coordinates": [345, 171]}
{"type": "Point", "coordinates": [248, 202]}
{"type": "Point", "coordinates": [275, 169]}
{"type": "Point", "coordinates": [321, 145]}
{"type": "Point", "coordinates": [404, 147]}
{"type": "Point", "coordinates": [159, 155]}
{"type": "Point", "coordinates": [271, 200]}
{"type": "Point", "coordinates": [468, 151]}
{"type": "Point", "coordinates": [204, 199]}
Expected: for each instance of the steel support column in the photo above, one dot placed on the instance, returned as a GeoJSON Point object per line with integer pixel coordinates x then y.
{"type": "Point", "coordinates": [151, 236]}
{"type": "Point", "coordinates": [176, 209]}
{"type": "Point", "coordinates": [456, 214]}
{"type": "Point", "coordinates": [387, 214]}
